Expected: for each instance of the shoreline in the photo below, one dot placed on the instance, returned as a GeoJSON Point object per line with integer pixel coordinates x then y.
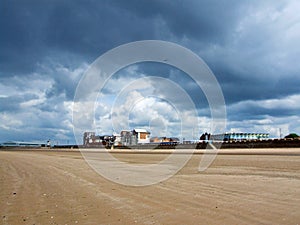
{"type": "Point", "coordinates": [237, 151]}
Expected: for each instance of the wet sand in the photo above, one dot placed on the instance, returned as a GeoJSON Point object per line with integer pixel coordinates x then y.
{"type": "Point", "coordinates": [240, 187]}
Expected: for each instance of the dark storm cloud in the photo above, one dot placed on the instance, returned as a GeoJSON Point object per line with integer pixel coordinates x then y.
{"type": "Point", "coordinates": [276, 107]}
{"type": "Point", "coordinates": [32, 31]}
{"type": "Point", "coordinates": [255, 85]}
{"type": "Point", "coordinates": [251, 112]}
{"type": "Point", "coordinates": [209, 21]}
{"type": "Point", "coordinates": [12, 103]}
{"type": "Point", "coordinates": [22, 26]}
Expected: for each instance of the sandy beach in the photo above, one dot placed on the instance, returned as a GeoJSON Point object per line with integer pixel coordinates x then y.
{"type": "Point", "coordinates": [260, 186]}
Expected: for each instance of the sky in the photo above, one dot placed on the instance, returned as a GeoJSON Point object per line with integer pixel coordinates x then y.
{"type": "Point", "coordinates": [252, 48]}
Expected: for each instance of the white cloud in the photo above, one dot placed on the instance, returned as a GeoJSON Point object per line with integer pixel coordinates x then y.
{"type": "Point", "coordinates": [288, 120]}
{"type": "Point", "coordinates": [288, 103]}
{"type": "Point", "coordinates": [10, 122]}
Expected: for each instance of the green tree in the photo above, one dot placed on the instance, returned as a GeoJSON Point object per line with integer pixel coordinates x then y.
{"type": "Point", "coordinates": [292, 135]}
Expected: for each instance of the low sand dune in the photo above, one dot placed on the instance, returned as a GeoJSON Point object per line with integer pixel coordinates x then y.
{"type": "Point", "coordinates": [247, 187]}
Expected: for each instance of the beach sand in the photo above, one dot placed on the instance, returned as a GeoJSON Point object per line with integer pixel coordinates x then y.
{"type": "Point", "coordinates": [260, 186]}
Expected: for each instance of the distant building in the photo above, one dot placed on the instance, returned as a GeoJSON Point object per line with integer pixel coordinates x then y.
{"type": "Point", "coordinates": [206, 136]}
{"type": "Point", "coordinates": [87, 136]}
{"type": "Point", "coordinates": [164, 139]}
{"type": "Point", "coordinates": [134, 137]}
{"type": "Point", "coordinates": [143, 136]}
{"type": "Point", "coordinates": [239, 136]}
{"type": "Point", "coordinates": [127, 138]}
{"type": "Point", "coordinates": [117, 139]}
{"type": "Point", "coordinates": [156, 139]}
{"type": "Point", "coordinates": [21, 144]}
{"type": "Point", "coordinates": [91, 140]}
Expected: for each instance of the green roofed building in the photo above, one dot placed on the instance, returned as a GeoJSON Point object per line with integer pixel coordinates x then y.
{"type": "Point", "coordinates": [239, 136]}
{"type": "Point", "coordinates": [20, 144]}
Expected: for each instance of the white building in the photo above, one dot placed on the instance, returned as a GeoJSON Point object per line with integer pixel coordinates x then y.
{"type": "Point", "coordinates": [239, 136]}
{"type": "Point", "coordinates": [118, 140]}
{"type": "Point", "coordinates": [143, 136]}
{"type": "Point", "coordinates": [21, 144]}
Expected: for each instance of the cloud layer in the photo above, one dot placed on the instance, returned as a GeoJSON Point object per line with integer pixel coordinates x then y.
{"type": "Point", "coordinates": [252, 47]}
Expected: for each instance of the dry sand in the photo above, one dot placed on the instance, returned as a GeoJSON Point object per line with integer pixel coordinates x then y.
{"type": "Point", "coordinates": [249, 187]}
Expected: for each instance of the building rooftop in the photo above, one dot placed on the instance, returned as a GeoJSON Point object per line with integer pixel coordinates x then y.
{"type": "Point", "coordinates": [139, 130]}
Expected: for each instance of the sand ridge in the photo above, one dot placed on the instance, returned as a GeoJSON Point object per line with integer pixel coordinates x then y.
{"type": "Point", "coordinates": [58, 187]}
